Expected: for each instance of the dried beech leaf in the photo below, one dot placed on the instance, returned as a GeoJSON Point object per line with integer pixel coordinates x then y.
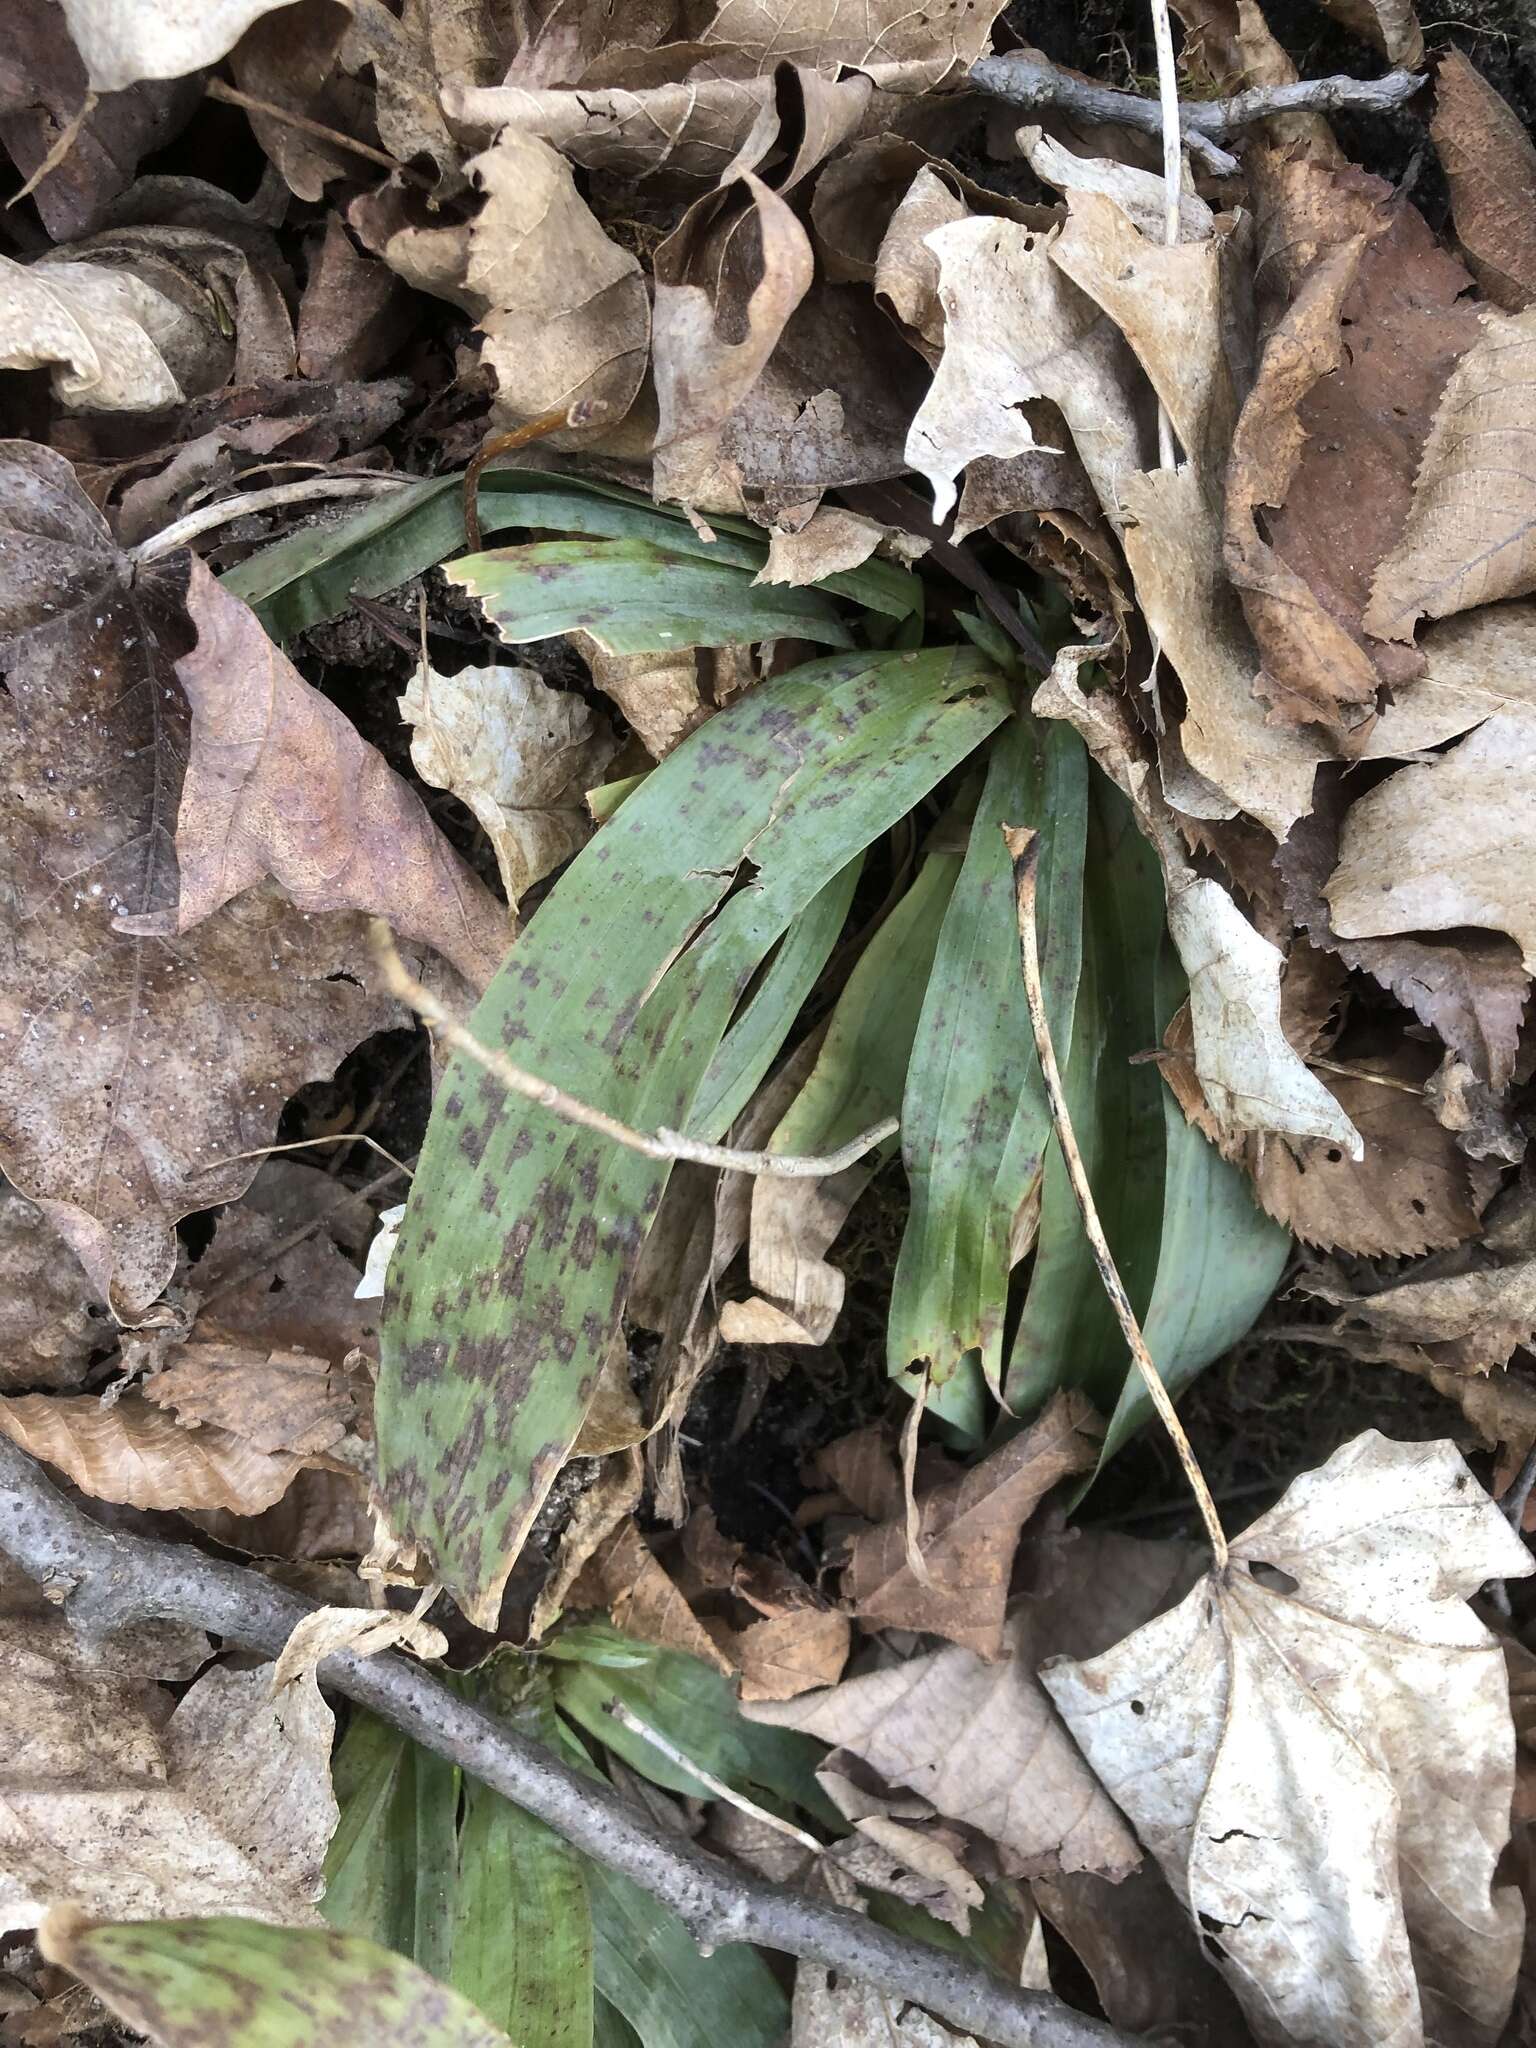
{"type": "Point", "coordinates": [1469, 538]}
{"type": "Point", "coordinates": [225, 1808]}
{"type": "Point", "coordinates": [831, 541]}
{"type": "Point", "coordinates": [1235, 1729]}
{"type": "Point", "coordinates": [967, 1532]}
{"type": "Point", "coordinates": [1475, 664]}
{"type": "Point", "coordinates": [657, 693]}
{"type": "Point", "coordinates": [136, 1453]}
{"type": "Point", "coordinates": [784, 1655]}
{"type": "Point", "coordinates": [275, 1400]}
{"type": "Point", "coordinates": [280, 783]}
{"type": "Point", "coordinates": [520, 754]}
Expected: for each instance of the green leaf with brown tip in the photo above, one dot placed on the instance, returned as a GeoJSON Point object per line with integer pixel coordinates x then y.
{"type": "Point", "coordinates": [633, 597]}
{"type": "Point", "coordinates": [522, 1231]}
{"type": "Point", "coordinates": [243, 1984]}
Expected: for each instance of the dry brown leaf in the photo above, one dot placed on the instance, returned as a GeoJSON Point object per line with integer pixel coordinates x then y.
{"type": "Point", "coordinates": [568, 316]}
{"type": "Point", "coordinates": [1446, 843]}
{"type": "Point", "coordinates": [137, 1454]}
{"type": "Point", "coordinates": [279, 783]}
{"type": "Point", "coordinates": [906, 269]}
{"type": "Point", "coordinates": [944, 37]}
{"type": "Point", "coordinates": [123, 43]}
{"type": "Point", "coordinates": [1490, 165]}
{"type": "Point", "coordinates": [786, 1654]}
{"type": "Point", "coordinates": [863, 1470]}
{"type": "Point", "coordinates": [611, 1498]}
{"type": "Point", "coordinates": [1137, 194]}
{"type": "Point", "coordinates": [518, 753]}
{"type": "Point", "coordinates": [1475, 664]}
{"type": "Point", "coordinates": [1392, 25]}
{"type": "Point", "coordinates": [289, 64]}
{"type": "Point", "coordinates": [49, 1311]}
{"type": "Point", "coordinates": [276, 1401]}
{"type": "Point", "coordinates": [127, 1069]}
{"type": "Point", "coordinates": [657, 693]}
{"type": "Point", "coordinates": [1468, 540]}
{"type": "Point", "coordinates": [831, 541]}
{"type": "Point", "coordinates": [833, 2010]}
{"type": "Point", "coordinates": [324, 1514]}
{"type": "Point", "coordinates": [225, 1808]}
{"type": "Point", "coordinates": [968, 1530]}
{"type": "Point", "coordinates": [625, 1576]}
{"type": "Point", "coordinates": [354, 313]}
{"type": "Point", "coordinates": [981, 1742]}
{"type": "Point", "coordinates": [1236, 1729]}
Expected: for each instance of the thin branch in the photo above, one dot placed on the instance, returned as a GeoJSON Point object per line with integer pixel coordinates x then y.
{"type": "Point", "coordinates": [1024, 851]}
{"type": "Point", "coordinates": [666, 1144]}
{"type": "Point", "coordinates": [60, 147]}
{"type": "Point", "coordinates": [207, 517]}
{"type": "Point", "coordinates": [551, 422]}
{"type": "Point", "coordinates": [104, 1580]}
{"type": "Point", "coordinates": [1173, 176]}
{"type": "Point", "coordinates": [216, 89]}
{"type": "Point", "coordinates": [717, 1786]}
{"type": "Point", "coordinates": [1028, 81]}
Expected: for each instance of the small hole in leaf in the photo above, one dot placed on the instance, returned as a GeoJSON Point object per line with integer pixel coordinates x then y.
{"type": "Point", "coordinates": [1138, 1706]}
{"type": "Point", "coordinates": [1334, 1155]}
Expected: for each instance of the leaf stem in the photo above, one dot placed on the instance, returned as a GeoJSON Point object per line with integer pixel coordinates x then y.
{"type": "Point", "coordinates": [1024, 851]}
{"type": "Point", "coordinates": [718, 1786]}
{"type": "Point", "coordinates": [207, 517]}
{"type": "Point", "coordinates": [664, 1144]}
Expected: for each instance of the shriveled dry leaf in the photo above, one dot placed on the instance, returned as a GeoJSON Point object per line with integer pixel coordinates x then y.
{"type": "Point", "coordinates": [362, 1631]}
{"type": "Point", "coordinates": [1490, 165]}
{"type": "Point", "coordinates": [568, 316]}
{"type": "Point", "coordinates": [832, 540]}
{"type": "Point", "coordinates": [628, 1579]}
{"type": "Point", "coordinates": [518, 753]}
{"type": "Point", "coordinates": [324, 1514]}
{"type": "Point", "coordinates": [225, 1808]}
{"type": "Point", "coordinates": [1236, 1729]}
{"type": "Point", "coordinates": [280, 783]}
{"type": "Point", "coordinates": [1469, 538]}
{"type": "Point", "coordinates": [967, 1532]}
{"type": "Point", "coordinates": [47, 1326]}
{"type": "Point", "coordinates": [1446, 843]}
{"type": "Point", "coordinates": [101, 332]}
{"type": "Point", "coordinates": [123, 41]}
{"type": "Point", "coordinates": [275, 1400]}
{"type": "Point", "coordinates": [138, 1454]}
{"type": "Point", "coordinates": [657, 693]}
{"type": "Point", "coordinates": [127, 1069]}
{"type": "Point", "coordinates": [609, 1500]}
{"type": "Point", "coordinates": [981, 1742]}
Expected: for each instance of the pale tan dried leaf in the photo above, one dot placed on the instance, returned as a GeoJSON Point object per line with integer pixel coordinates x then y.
{"type": "Point", "coordinates": [417, 53]}
{"type": "Point", "coordinates": [280, 783]}
{"type": "Point", "coordinates": [1475, 664]}
{"type": "Point", "coordinates": [614, 1420]}
{"type": "Point", "coordinates": [362, 1631]}
{"type": "Point", "coordinates": [794, 1225]}
{"type": "Point", "coordinates": [611, 1498]}
{"type": "Point", "coordinates": [831, 541]}
{"type": "Point", "coordinates": [1469, 538]}
{"type": "Point", "coordinates": [1017, 328]}
{"type": "Point", "coordinates": [833, 2010]}
{"type": "Point", "coordinates": [275, 1400]}
{"type": "Point", "coordinates": [919, 1864]}
{"type": "Point", "coordinates": [123, 41]}
{"type": "Point", "coordinates": [906, 269]}
{"type": "Point", "coordinates": [863, 1470]}
{"type": "Point", "coordinates": [1236, 1729]}
{"type": "Point", "coordinates": [786, 1654]}
{"type": "Point", "coordinates": [943, 38]}
{"type": "Point", "coordinates": [569, 317]}
{"type": "Point", "coordinates": [657, 693]}
{"type": "Point", "coordinates": [135, 1453]}
{"type": "Point", "coordinates": [968, 1530]}
{"type": "Point", "coordinates": [688, 129]}
{"type": "Point", "coordinates": [1490, 165]}
{"type": "Point", "coordinates": [1138, 194]}
{"type": "Point", "coordinates": [1447, 842]}
{"type": "Point", "coordinates": [99, 331]}
{"type": "Point", "coordinates": [1392, 25]}
{"type": "Point", "coordinates": [518, 753]}
{"type": "Point", "coordinates": [49, 1311]}
{"type": "Point", "coordinates": [981, 1742]}
{"type": "Point", "coordinates": [225, 1808]}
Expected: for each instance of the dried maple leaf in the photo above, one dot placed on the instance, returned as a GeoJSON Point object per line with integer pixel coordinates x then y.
{"type": "Point", "coordinates": [1490, 166]}
{"type": "Point", "coordinates": [1237, 1729]}
{"type": "Point", "coordinates": [967, 1532]}
{"type": "Point", "coordinates": [129, 1067]}
{"type": "Point", "coordinates": [520, 754]}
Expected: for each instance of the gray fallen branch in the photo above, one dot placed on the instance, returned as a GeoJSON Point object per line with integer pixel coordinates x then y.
{"type": "Point", "coordinates": [102, 1580]}
{"type": "Point", "coordinates": [1029, 82]}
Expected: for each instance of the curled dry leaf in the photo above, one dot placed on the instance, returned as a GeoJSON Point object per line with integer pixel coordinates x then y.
{"type": "Point", "coordinates": [658, 693]}
{"type": "Point", "coordinates": [520, 754]}
{"type": "Point", "coordinates": [280, 783]}
{"type": "Point", "coordinates": [364, 1631]}
{"type": "Point", "coordinates": [126, 1067]}
{"type": "Point", "coordinates": [967, 1531]}
{"type": "Point", "coordinates": [103, 333]}
{"type": "Point", "coordinates": [136, 1453]}
{"type": "Point", "coordinates": [275, 1400]}
{"type": "Point", "coordinates": [48, 1308]}
{"type": "Point", "coordinates": [1392, 25]}
{"type": "Point", "coordinates": [1490, 165]}
{"type": "Point", "coordinates": [832, 540]}
{"type": "Point", "coordinates": [1235, 1729]}
{"type": "Point", "coordinates": [104, 1803]}
{"type": "Point", "coordinates": [1471, 533]}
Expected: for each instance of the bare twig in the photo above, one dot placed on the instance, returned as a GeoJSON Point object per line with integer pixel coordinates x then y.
{"type": "Point", "coordinates": [60, 147]}
{"type": "Point", "coordinates": [400, 982]}
{"type": "Point", "coordinates": [1028, 81]}
{"type": "Point", "coordinates": [216, 89]}
{"type": "Point", "coordinates": [718, 1786]}
{"type": "Point", "coordinates": [207, 517]}
{"type": "Point", "coordinates": [304, 1144]}
{"type": "Point", "coordinates": [1024, 851]}
{"type": "Point", "coordinates": [1173, 177]}
{"type": "Point", "coordinates": [105, 1580]}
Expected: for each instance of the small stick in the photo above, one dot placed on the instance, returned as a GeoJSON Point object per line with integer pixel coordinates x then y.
{"type": "Point", "coordinates": [207, 517]}
{"type": "Point", "coordinates": [216, 89]}
{"type": "Point", "coordinates": [1024, 851]}
{"type": "Point", "coordinates": [303, 1145]}
{"type": "Point", "coordinates": [718, 1786]}
{"type": "Point", "coordinates": [58, 149]}
{"type": "Point", "coordinates": [664, 1145]}
{"type": "Point", "coordinates": [1173, 173]}
{"type": "Point", "coordinates": [551, 422]}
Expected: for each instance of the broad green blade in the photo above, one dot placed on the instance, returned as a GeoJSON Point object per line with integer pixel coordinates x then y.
{"type": "Point", "coordinates": [649, 1968]}
{"type": "Point", "coordinates": [635, 598]}
{"type": "Point", "coordinates": [370, 1886]}
{"type": "Point", "coordinates": [1068, 1335]}
{"type": "Point", "coordinates": [436, 1869]}
{"type": "Point", "coordinates": [610, 2029]}
{"type": "Point", "coordinates": [242, 1984]}
{"type": "Point", "coordinates": [975, 1121]}
{"type": "Point", "coordinates": [1221, 1257]}
{"type": "Point", "coordinates": [697, 1711]}
{"type": "Point", "coordinates": [750, 1044]}
{"type": "Point", "coordinates": [522, 1231]}
{"type": "Point", "coordinates": [311, 574]}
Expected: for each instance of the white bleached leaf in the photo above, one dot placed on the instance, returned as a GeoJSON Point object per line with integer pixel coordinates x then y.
{"type": "Point", "coordinates": [380, 1251]}
{"type": "Point", "coordinates": [123, 41]}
